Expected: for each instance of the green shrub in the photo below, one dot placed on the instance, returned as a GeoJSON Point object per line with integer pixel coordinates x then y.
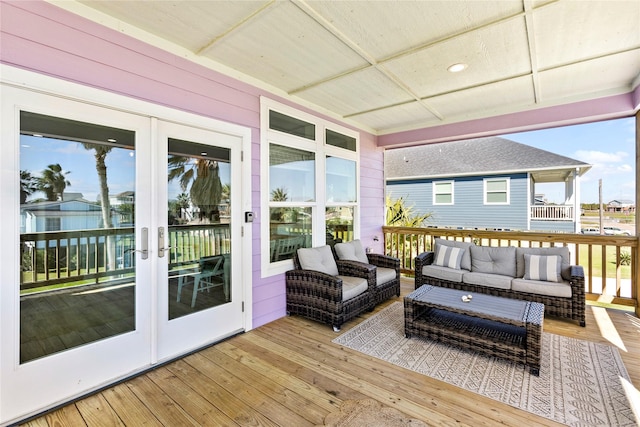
{"type": "Point", "coordinates": [625, 258]}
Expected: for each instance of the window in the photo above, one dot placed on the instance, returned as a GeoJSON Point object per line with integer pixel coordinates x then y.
{"type": "Point", "coordinates": [443, 192]}
{"type": "Point", "coordinates": [341, 197]}
{"type": "Point", "coordinates": [496, 191]}
{"type": "Point", "coordinates": [309, 185]}
{"type": "Point", "coordinates": [52, 224]}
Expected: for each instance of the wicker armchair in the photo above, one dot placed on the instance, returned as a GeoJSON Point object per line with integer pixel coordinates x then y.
{"type": "Point", "coordinates": [387, 268]}
{"type": "Point", "coordinates": [328, 291]}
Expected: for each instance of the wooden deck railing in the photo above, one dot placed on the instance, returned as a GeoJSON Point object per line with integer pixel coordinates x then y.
{"type": "Point", "coordinates": [72, 258]}
{"type": "Point", "coordinates": [610, 262]}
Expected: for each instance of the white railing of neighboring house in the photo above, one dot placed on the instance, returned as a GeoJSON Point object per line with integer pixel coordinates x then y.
{"type": "Point", "coordinates": [552, 213]}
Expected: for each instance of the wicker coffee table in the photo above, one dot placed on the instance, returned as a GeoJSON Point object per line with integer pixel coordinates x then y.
{"type": "Point", "coordinates": [496, 326]}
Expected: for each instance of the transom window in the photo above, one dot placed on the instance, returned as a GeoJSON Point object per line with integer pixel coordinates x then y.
{"type": "Point", "coordinates": [309, 185]}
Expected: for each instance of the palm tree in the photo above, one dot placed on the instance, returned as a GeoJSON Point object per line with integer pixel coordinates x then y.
{"type": "Point", "coordinates": [399, 214]}
{"type": "Point", "coordinates": [279, 195]}
{"type": "Point", "coordinates": [182, 204]}
{"type": "Point", "coordinates": [202, 177]}
{"type": "Point", "coordinates": [226, 193]}
{"type": "Point", "coordinates": [100, 154]}
{"type": "Point", "coordinates": [28, 185]}
{"type": "Point", "coordinates": [53, 182]}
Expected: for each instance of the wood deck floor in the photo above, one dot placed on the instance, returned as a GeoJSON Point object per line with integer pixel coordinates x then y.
{"type": "Point", "coordinates": [288, 373]}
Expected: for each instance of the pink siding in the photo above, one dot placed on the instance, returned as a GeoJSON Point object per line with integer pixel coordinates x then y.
{"type": "Point", "coordinates": [43, 38]}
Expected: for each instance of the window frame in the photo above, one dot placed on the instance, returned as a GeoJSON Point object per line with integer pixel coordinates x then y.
{"type": "Point", "coordinates": [507, 191]}
{"type": "Point", "coordinates": [435, 193]}
{"type": "Point", "coordinates": [322, 150]}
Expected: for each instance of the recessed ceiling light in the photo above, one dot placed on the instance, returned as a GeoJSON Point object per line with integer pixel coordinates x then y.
{"type": "Point", "coordinates": [112, 140]}
{"type": "Point", "coordinates": [204, 153]}
{"type": "Point", "coordinates": [456, 68]}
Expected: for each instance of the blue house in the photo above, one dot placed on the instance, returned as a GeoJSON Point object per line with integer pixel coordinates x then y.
{"type": "Point", "coordinates": [486, 183]}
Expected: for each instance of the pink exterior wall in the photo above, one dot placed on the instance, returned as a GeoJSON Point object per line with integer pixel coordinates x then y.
{"type": "Point", "coordinates": [41, 37]}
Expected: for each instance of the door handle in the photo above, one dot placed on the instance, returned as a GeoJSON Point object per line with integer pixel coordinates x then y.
{"type": "Point", "coordinates": [161, 248]}
{"type": "Point", "coordinates": [144, 242]}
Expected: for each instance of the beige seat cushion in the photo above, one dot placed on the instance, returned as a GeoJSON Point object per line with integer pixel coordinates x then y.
{"type": "Point", "coordinates": [553, 289]}
{"type": "Point", "coordinates": [384, 275]}
{"type": "Point", "coordinates": [443, 273]}
{"type": "Point", "coordinates": [489, 280]}
{"type": "Point", "coordinates": [353, 286]}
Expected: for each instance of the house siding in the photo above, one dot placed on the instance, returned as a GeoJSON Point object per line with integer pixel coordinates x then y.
{"type": "Point", "coordinates": [468, 209]}
{"type": "Point", "coordinates": [43, 38]}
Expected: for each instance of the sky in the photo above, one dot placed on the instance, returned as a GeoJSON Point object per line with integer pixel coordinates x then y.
{"type": "Point", "coordinates": [608, 146]}
{"type": "Point", "coordinates": [37, 153]}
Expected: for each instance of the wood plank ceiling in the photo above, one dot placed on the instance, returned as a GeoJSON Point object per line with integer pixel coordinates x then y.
{"type": "Point", "coordinates": [383, 64]}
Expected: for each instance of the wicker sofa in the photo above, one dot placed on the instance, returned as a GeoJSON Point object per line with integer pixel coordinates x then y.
{"type": "Point", "coordinates": [534, 274]}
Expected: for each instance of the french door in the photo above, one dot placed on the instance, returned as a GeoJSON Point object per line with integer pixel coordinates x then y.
{"type": "Point", "coordinates": [197, 236]}
{"type": "Point", "coordinates": [118, 245]}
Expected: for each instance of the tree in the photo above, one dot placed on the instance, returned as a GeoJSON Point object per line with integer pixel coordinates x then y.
{"type": "Point", "coordinates": [100, 154]}
{"type": "Point", "coordinates": [28, 185]}
{"type": "Point", "coordinates": [398, 214]}
{"type": "Point", "coordinates": [279, 195]}
{"type": "Point", "coordinates": [202, 178]}
{"type": "Point", "coordinates": [53, 182]}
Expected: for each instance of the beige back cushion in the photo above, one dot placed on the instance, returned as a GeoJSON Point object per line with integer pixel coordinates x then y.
{"type": "Point", "coordinates": [318, 259]}
{"type": "Point", "coordinates": [351, 251]}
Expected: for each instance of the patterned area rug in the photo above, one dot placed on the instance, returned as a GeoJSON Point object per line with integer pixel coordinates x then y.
{"type": "Point", "coordinates": [580, 383]}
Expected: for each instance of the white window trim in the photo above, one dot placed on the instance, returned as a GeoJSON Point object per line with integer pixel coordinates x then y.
{"type": "Point", "coordinates": [485, 192]}
{"type": "Point", "coordinates": [321, 149]}
{"type": "Point", "coordinates": [434, 192]}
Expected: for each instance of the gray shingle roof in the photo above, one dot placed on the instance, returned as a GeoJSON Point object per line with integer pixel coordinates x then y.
{"type": "Point", "coordinates": [473, 157]}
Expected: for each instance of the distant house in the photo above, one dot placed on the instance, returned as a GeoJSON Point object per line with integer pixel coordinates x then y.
{"type": "Point", "coordinates": [486, 183]}
{"type": "Point", "coordinates": [622, 206]}
{"type": "Point", "coordinates": [62, 215]}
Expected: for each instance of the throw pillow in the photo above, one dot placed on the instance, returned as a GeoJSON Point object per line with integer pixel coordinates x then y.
{"type": "Point", "coordinates": [318, 259]}
{"type": "Point", "coordinates": [545, 268]}
{"type": "Point", "coordinates": [466, 254]}
{"type": "Point", "coordinates": [563, 251]}
{"type": "Point", "coordinates": [448, 256]}
{"type": "Point", "coordinates": [351, 251]}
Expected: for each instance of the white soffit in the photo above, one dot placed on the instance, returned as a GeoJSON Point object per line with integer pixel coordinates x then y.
{"type": "Point", "coordinates": [383, 65]}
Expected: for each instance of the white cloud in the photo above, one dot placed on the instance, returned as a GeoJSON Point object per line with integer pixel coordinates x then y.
{"type": "Point", "coordinates": [598, 157]}
{"type": "Point", "coordinates": [625, 168]}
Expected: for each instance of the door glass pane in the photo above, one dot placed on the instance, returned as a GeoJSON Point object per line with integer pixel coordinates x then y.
{"type": "Point", "coordinates": [77, 204]}
{"type": "Point", "coordinates": [199, 254]}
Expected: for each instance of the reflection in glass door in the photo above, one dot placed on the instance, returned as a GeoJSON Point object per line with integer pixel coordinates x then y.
{"type": "Point", "coordinates": [198, 194]}
{"type": "Point", "coordinates": [77, 238]}
{"type": "Point", "coordinates": [199, 217]}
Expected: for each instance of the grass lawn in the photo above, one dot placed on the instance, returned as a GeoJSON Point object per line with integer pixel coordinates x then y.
{"type": "Point", "coordinates": [625, 270]}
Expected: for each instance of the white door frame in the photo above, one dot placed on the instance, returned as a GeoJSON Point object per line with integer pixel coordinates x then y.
{"type": "Point", "coordinates": [12, 79]}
